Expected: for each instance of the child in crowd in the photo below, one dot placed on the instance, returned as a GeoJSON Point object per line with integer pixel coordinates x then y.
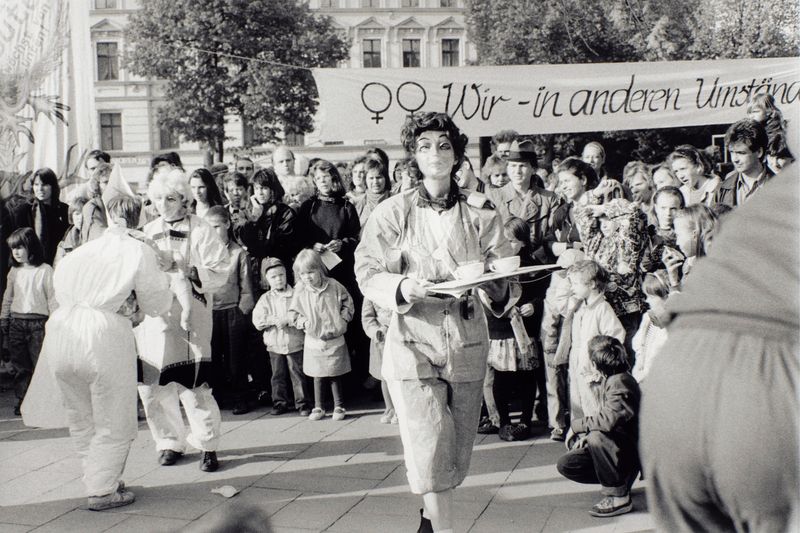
{"type": "Point", "coordinates": [667, 201]}
{"type": "Point", "coordinates": [236, 185]}
{"type": "Point", "coordinates": [232, 303]}
{"type": "Point", "coordinates": [695, 227]}
{"type": "Point", "coordinates": [513, 356]}
{"type": "Point", "coordinates": [663, 176]}
{"type": "Point", "coordinates": [28, 300]}
{"type": "Point", "coordinates": [72, 239]}
{"type": "Point", "coordinates": [761, 108]}
{"type": "Point", "coordinates": [322, 307]}
{"type": "Point", "coordinates": [555, 310]}
{"type": "Point", "coordinates": [284, 342]}
{"type": "Point", "coordinates": [652, 332]}
{"type": "Point", "coordinates": [588, 315]}
{"type": "Point", "coordinates": [494, 172]}
{"type": "Point", "coordinates": [375, 321]}
{"type": "Point", "coordinates": [604, 447]}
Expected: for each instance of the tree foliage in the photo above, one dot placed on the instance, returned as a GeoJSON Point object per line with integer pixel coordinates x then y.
{"type": "Point", "coordinates": [514, 32]}
{"type": "Point", "coordinates": [222, 57]}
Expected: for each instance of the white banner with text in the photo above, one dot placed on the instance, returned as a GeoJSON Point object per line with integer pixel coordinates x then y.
{"type": "Point", "coordinates": [372, 103]}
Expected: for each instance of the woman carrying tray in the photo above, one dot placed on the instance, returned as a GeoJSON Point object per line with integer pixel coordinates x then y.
{"type": "Point", "coordinates": [436, 345]}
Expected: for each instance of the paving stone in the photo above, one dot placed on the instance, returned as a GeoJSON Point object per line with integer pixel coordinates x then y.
{"type": "Point", "coordinates": [80, 521]}
{"type": "Point", "coordinates": [309, 481]}
{"type": "Point", "coordinates": [314, 511]}
{"type": "Point", "coordinates": [148, 524]}
{"type": "Point", "coordinates": [39, 513]}
{"type": "Point", "coordinates": [511, 518]}
{"type": "Point", "coordinates": [13, 528]}
{"type": "Point", "coordinates": [159, 506]}
{"type": "Point", "coordinates": [27, 487]}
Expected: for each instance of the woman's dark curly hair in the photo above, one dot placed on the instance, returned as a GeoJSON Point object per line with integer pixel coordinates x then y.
{"type": "Point", "coordinates": [417, 123]}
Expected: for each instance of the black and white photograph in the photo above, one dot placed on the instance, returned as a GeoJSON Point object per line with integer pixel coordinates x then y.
{"type": "Point", "coordinates": [377, 266]}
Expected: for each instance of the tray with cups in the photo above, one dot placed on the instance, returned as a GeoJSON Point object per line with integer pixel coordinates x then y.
{"type": "Point", "coordinates": [471, 275]}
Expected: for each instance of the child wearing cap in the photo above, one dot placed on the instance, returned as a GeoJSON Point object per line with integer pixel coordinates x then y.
{"type": "Point", "coordinates": [284, 342]}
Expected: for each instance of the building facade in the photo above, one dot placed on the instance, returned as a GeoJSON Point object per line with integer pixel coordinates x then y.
{"type": "Point", "coordinates": [381, 33]}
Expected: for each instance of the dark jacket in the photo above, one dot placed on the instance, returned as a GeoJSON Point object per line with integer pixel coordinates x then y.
{"type": "Point", "coordinates": [322, 220]}
{"type": "Point", "coordinates": [619, 409]}
{"type": "Point", "coordinates": [727, 191]}
{"type": "Point", "coordinates": [55, 221]}
{"type": "Point", "coordinates": [274, 234]}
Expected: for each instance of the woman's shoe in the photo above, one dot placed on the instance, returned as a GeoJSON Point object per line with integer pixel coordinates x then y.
{"type": "Point", "coordinates": [316, 414]}
{"type": "Point", "coordinates": [338, 413]}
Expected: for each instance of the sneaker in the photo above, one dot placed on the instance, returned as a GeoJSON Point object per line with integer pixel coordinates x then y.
{"type": "Point", "coordinates": [387, 416]}
{"type": "Point", "coordinates": [557, 434]}
{"type": "Point", "coordinates": [506, 432]}
{"type": "Point", "coordinates": [520, 432]}
{"type": "Point", "coordinates": [279, 409]}
{"type": "Point", "coordinates": [209, 462]}
{"type": "Point", "coordinates": [316, 414]}
{"type": "Point", "coordinates": [394, 419]}
{"type": "Point", "coordinates": [606, 508]}
{"type": "Point", "coordinates": [487, 427]}
{"type": "Point", "coordinates": [304, 411]}
{"type": "Point", "coordinates": [339, 413]}
{"type": "Point", "coordinates": [110, 501]}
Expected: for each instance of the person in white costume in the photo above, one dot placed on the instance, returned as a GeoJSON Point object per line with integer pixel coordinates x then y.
{"type": "Point", "coordinates": [176, 358]}
{"type": "Point", "coordinates": [90, 349]}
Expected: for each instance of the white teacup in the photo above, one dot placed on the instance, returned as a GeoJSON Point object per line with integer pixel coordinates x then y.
{"type": "Point", "coordinates": [505, 265]}
{"type": "Point", "coordinates": [469, 271]}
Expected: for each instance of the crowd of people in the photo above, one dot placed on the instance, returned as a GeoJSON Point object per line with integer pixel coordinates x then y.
{"type": "Point", "coordinates": [288, 283]}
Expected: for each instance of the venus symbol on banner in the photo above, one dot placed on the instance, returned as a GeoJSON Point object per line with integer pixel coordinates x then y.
{"type": "Point", "coordinates": [373, 92]}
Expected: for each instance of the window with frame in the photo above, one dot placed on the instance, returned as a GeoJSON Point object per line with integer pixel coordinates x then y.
{"type": "Point", "coordinates": [447, 3]}
{"type": "Point", "coordinates": [409, 3]}
{"type": "Point", "coordinates": [294, 139]}
{"type": "Point", "coordinates": [327, 3]}
{"type": "Point", "coordinates": [107, 62]}
{"type": "Point", "coordinates": [450, 53]}
{"type": "Point", "coordinates": [167, 138]}
{"type": "Point", "coordinates": [411, 52]}
{"type": "Point", "coordinates": [105, 4]}
{"type": "Point", "coordinates": [111, 131]}
{"type": "Point", "coordinates": [371, 53]}
{"type": "Point", "coordinates": [370, 3]}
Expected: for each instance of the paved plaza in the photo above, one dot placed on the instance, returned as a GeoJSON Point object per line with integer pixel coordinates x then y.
{"type": "Point", "coordinates": [341, 477]}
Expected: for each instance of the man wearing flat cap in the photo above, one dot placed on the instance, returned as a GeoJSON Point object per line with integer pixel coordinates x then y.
{"type": "Point", "coordinates": [522, 198]}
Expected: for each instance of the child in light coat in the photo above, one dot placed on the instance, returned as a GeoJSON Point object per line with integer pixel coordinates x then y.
{"type": "Point", "coordinates": [322, 307]}
{"type": "Point", "coordinates": [284, 342]}
{"type": "Point", "coordinates": [592, 315]}
{"type": "Point", "coordinates": [652, 332]}
{"type": "Point", "coordinates": [375, 320]}
{"type": "Point", "coordinates": [556, 303]}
